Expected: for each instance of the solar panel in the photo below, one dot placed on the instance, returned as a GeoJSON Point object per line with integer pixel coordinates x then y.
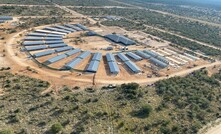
{"type": "Point", "coordinates": [50, 32]}
{"type": "Point", "coordinates": [40, 54]}
{"type": "Point", "coordinates": [81, 26]}
{"type": "Point", "coordinates": [57, 45]}
{"type": "Point", "coordinates": [134, 56]}
{"type": "Point", "coordinates": [110, 57]}
{"type": "Point", "coordinates": [142, 54]}
{"type": "Point", "coordinates": [84, 55]}
{"type": "Point", "coordinates": [93, 66]}
{"type": "Point", "coordinates": [114, 69]}
{"type": "Point", "coordinates": [73, 63]}
{"type": "Point", "coordinates": [63, 49]}
{"type": "Point", "coordinates": [57, 30]}
{"type": "Point", "coordinates": [73, 27]}
{"type": "Point", "coordinates": [72, 52]}
{"type": "Point", "coordinates": [97, 56]}
{"type": "Point", "coordinates": [158, 62]}
{"type": "Point", "coordinates": [56, 59]}
{"type": "Point", "coordinates": [35, 48]}
{"type": "Point", "coordinates": [54, 42]}
{"type": "Point", "coordinates": [133, 66]}
{"type": "Point", "coordinates": [65, 28]}
{"type": "Point", "coordinates": [122, 57]}
{"type": "Point", "coordinates": [32, 43]}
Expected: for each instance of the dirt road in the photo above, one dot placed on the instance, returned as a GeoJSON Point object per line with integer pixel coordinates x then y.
{"type": "Point", "coordinates": [161, 30]}
{"type": "Point", "coordinates": [170, 14]}
{"type": "Point", "coordinates": [21, 62]}
{"type": "Point", "coordinates": [184, 37]}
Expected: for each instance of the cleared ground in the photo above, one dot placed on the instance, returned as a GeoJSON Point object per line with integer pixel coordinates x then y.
{"type": "Point", "coordinates": [102, 77]}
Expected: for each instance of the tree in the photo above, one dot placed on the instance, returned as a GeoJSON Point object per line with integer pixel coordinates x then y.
{"type": "Point", "coordinates": [130, 90]}
{"type": "Point", "coordinates": [57, 127]}
{"type": "Point", "coordinates": [143, 112]}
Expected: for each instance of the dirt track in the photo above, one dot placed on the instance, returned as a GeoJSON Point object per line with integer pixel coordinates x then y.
{"type": "Point", "coordinates": [21, 62]}
{"type": "Point", "coordinates": [170, 14]}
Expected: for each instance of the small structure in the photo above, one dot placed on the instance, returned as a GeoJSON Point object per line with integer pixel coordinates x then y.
{"type": "Point", "coordinates": [91, 33]}
{"type": "Point", "coordinates": [5, 18]}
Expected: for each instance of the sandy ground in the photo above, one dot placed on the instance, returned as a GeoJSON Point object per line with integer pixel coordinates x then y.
{"type": "Point", "coordinates": [1, 92]}
{"type": "Point", "coordinates": [20, 62]}
{"type": "Point", "coordinates": [103, 77]}
{"type": "Point", "coordinates": [214, 130]}
{"type": "Point", "coordinates": [211, 128]}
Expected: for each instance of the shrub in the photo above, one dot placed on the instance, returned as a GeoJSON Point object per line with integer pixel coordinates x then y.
{"type": "Point", "coordinates": [131, 90]}
{"type": "Point", "coordinates": [57, 127]}
{"type": "Point", "coordinates": [143, 112]}
{"type": "Point", "coordinates": [6, 132]}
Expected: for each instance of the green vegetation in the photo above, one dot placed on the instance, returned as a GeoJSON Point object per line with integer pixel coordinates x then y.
{"type": "Point", "coordinates": [194, 30]}
{"type": "Point", "coordinates": [143, 112]}
{"type": "Point", "coordinates": [175, 106]}
{"type": "Point", "coordinates": [199, 3]}
{"type": "Point", "coordinates": [31, 11]}
{"type": "Point", "coordinates": [57, 127]}
{"type": "Point", "coordinates": [25, 2]}
{"type": "Point", "coordinates": [185, 43]}
{"type": "Point", "coordinates": [194, 95]}
{"type": "Point", "coordinates": [218, 75]}
{"type": "Point", "coordinates": [193, 10]}
{"type": "Point", "coordinates": [173, 39]}
{"type": "Point", "coordinates": [6, 132]}
{"type": "Point", "coordinates": [87, 3]}
{"type": "Point", "coordinates": [33, 22]}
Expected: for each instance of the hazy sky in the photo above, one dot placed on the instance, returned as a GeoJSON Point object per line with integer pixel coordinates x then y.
{"type": "Point", "coordinates": [215, 3]}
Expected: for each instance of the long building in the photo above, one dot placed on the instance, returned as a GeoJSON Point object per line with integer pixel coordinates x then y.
{"type": "Point", "coordinates": [114, 69]}
{"type": "Point", "coordinates": [134, 56]}
{"type": "Point", "coordinates": [120, 39]}
{"type": "Point", "coordinates": [158, 62]}
{"type": "Point", "coordinates": [133, 66]}
{"type": "Point", "coordinates": [44, 53]}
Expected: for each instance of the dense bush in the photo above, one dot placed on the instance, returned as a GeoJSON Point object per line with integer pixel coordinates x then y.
{"type": "Point", "coordinates": [194, 95]}
{"type": "Point", "coordinates": [217, 75]}
{"type": "Point", "coordinates": [31, 11]}
{"type": "Point", "coordinates": [143, 112]}
{"type": "Point", "coordinates": [6, 132]}
{"type": "Point", "coordinates": [55, 128]}
{"type": "Point", "coordinates": [171, 38]}
{"type": "Point", "coordinates": [194, 30]}
{"type": "Point", "coordinates": [178, 105]}
{"type": "Point", "coordinates": [130, 90]}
